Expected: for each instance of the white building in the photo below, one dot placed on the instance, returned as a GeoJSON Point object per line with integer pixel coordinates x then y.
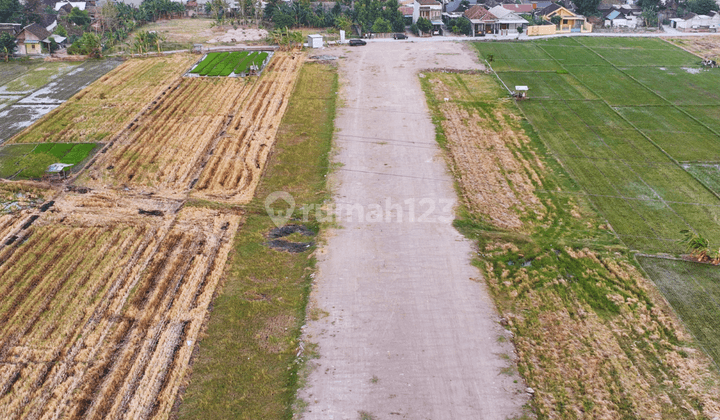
{"type": "Point", "coordinates": [696, 23]}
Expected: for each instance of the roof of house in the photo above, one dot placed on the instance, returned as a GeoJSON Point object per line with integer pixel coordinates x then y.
{"type": "Point", "coordinates": [429, 3]}
{"type": "Point", "coordinates": [406, 11]}
{"type": "Point", "coordinates": [454, 5]}
{"type": "Point", "coordinates": [37, 30]}
{"type": "Point", "coordinates": [519, 8]}
{"type": "Point", "coordinates": [615, 14]}
{"type": "Point", "coordinates": [59, 39]}
{"type": "Point", "coordinates": [79, 4]}
{"type": "Point", "coordinates": [551, 8]}
{"type": "Point", "coordinates": [690, 16]}
{"type": "Point", "coordinates": [11, 28]}
{"type": "Point", "coordinates": [478, 12]}
{"type": "Point", "coordinates": [506, 16]}
{"type": "Point", "coordinates": [191, 4]}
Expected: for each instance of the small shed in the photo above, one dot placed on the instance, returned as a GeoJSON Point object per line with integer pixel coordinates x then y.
{"type": "Point", "coordinates": [315, 41]}
{"type": "Point", "coordinates": [57, 170]}
{"type": "Point", "coordinates": [521, 92]}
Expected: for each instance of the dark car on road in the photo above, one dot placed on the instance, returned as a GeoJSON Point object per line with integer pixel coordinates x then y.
{"type": "Point", "coordinates": [400, 36]}
{"type": "Point", "coordinates": [356, 42]}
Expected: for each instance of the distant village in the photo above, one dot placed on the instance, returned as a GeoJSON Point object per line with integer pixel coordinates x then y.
{"type": "Point", "coordinates": [44, 26]}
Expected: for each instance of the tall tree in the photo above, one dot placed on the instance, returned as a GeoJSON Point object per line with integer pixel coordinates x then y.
{"type": "Point", "coordinates": [7, 45]}
{"type": "Point", "coordinates": [11, 11]}
{"type": "Point", "coordinates": [702, 7]}
{"type": "Point", "coordinates": [587, 7]}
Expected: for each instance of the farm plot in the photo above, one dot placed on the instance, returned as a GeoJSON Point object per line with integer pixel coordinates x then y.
{"type": "Point", "coordinates": [65, 86]}
{"type": "Point", "coordinates": [693, 290]}
{"type": "Point", "coordinates": [29, 161]}
{"type": "Point", "coordinates": [592, 337]}
{"type": "Point", "coordinates": [36, 76]}
{"type": "Point", "coordinates": [624, 148]}
{"type": "Point", "coordinates": [166, 148]}
{"type": "Point", "coordinates": [144, 284]}
{"type": "Point", "coordinates": [233, 170]}
{"type": "Point", "coordinates": [234, 63]}
{"type": "Point", "coordinates": [110, 103]}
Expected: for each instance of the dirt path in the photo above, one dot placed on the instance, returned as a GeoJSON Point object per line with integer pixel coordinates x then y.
{"type": "Point", "coordinates": [406, 330]}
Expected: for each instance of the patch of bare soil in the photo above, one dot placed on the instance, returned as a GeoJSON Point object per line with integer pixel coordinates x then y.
{"type": "Point", "coordinates": [240, 35]}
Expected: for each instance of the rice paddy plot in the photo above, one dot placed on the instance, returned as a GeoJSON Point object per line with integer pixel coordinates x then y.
{"type": "Point", "coordinates": [693, 290]}
{"type": "Point", "coordinates": [574, 55]}
{"type": "Point", "coordinates": [662, 111]}
{"type": "Point", "coordinates": [707, 115]}
{"type": "Point", "coordinates": [549, 85]}
{"type": "Point", "coordinates": [707, 173]}
{"type": "Point", "coordinates": [29, 161]}
{"type": "Point", "coordinates": [630, 57]}
{"type": "Point", "coordinates": [680, 85]}
{"type": "Point", "coordinates": [614, 86]}
{"type": "Point", "coordinates": [224, 64]}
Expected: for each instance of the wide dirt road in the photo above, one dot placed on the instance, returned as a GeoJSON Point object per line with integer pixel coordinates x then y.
{"type": "Point", "coordinates": [407, 329]}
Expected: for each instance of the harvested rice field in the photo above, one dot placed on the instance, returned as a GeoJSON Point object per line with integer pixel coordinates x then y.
{"type": "Point", "coordinates": [108, 278]}
{"type": "Point", "coordinates": [594, 338]}
{"type": "Point", "coordinates": [209, 135]}
{"type": "Point", "coordinates": [143, 284]}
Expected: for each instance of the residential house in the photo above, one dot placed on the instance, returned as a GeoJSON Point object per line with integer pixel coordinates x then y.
{"type": "Point", "coordinates": [430, 10]}
{"type": "Point", "coordinates": [29, 40]}
{"type": "Point", "coordinates": [618, 19]}
{"type": "Point", "coordinates": [569, 21]}
{"type": "Point", "coordinates": [191, 8]}
{"type": "Point", "coordinates": [696, 23]}
{"type": "Point", "coordinates": [508, 21]}
{"type": "Point", "coordinates": [481, 21]}
{"type": "Point", "coordinates": [521, 9]}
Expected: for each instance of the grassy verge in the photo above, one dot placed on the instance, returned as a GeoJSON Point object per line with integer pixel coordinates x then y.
{"type": "Point", "coordinates": [247, 366]}
{"type": "Point", "coordinates": [593, 336]}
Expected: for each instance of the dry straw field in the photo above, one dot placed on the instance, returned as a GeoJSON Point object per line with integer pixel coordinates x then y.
{"type": "Point", "coordinates": [107, 285]}
{"type": "Point", "coordinates": [209, 135]}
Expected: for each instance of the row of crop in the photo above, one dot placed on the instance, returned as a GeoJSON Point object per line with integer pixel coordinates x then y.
{"type": "Point", "coordinates": [227, 66]}
{"type": "Point", "coordinates": [65, 152]}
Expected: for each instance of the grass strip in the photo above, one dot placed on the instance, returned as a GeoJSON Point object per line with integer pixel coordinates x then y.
{"type": "Point", "coordinates": [247, 367]}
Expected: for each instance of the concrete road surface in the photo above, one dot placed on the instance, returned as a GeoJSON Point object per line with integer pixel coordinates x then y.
{"type": "Point", "coordinates": [408, 329]}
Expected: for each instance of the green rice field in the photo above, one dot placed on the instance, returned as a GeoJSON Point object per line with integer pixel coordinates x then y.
{"type": "Point", "coordinates": [230, 63]}
{"type": "Point", "coordinates": [635, 121]}
{"type": "Point", "coordinates": [29, 161]}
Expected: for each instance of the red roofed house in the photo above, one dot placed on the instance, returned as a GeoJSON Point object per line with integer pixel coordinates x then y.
{"type": "Point", "coordinates": [520, 8]}
{"type": "Point", "coordinates": [481, 21]}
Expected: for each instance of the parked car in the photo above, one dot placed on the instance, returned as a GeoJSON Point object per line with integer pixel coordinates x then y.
{"type": "Point", "coordinates": [400, 36]}
{"type": "Point", "coordinates": [357, 42]}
